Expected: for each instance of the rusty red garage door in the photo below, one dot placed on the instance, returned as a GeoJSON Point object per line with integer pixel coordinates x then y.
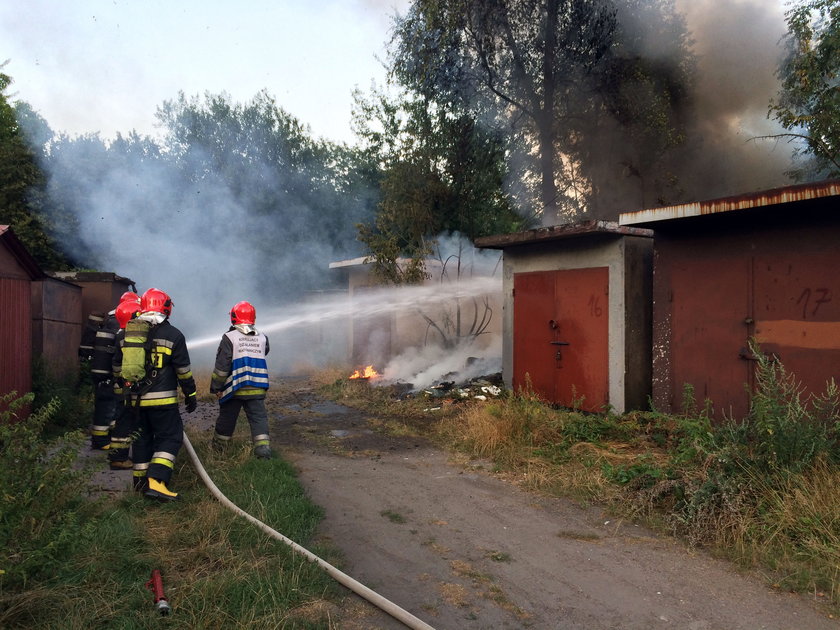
{"type": "Point", "coordinates": [711, 318]}
{"type": "Point", "coordinates": [560, 335]}
{"type": "Point", "coordinates": [797, 314]}
{"type": "Point", "coordinates": [787, 303]}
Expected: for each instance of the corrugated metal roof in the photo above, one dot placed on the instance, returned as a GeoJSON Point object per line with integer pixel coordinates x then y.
{"type": "Point", "coordinates": [558, 232]}
{"type": "Point", "coordinates": [772, 197]}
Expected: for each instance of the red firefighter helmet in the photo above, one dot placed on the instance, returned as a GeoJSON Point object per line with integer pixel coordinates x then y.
{"type": "Point", "coordinates": [125, 311]}
{"type": "Point", "coordinates": [130, 296]}
{"type": "Point", "coordinates": [243, 313]}
{"type": "Point", "coordinates": [156, 301]}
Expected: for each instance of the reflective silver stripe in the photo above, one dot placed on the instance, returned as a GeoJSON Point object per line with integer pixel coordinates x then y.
{"type": "Point", "coordinates": [164, 455]}
{"type": "Point", "coordinates": [100, 427]}
{"type": "Point", "coordinates": [221, 375]}
{"type": "Point", "coordinates": [223, 438]}
{"type": "Point", "coordinates": [252, 370]}
{"type": "Point", "coordinates": [144, 466]}
{"type": "Point", "coordinates": [115, 440]}
{"type": "Point", "coordinates": [184, 370]}
{"type": "Point", "coordinates": [105, 334]}
{"type": "Point", "coordinates": [172, 393]}
{"type": "Point", "coordinates": [263, 436]}
{"type": "Point", "coordinates": [165, 343]}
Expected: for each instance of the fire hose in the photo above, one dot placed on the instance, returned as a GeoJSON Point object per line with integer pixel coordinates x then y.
{"type": "Point", "coordinates": [339, 576]}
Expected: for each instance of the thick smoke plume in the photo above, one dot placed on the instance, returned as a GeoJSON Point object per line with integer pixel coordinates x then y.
{"type": "Point", "coordinates": [209, 241]}
{"type": "Point", "coordinates": [737, 46]}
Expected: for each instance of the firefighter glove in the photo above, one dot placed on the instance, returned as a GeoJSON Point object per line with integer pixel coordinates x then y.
{"type": "Point", "coordinates": [191, 402]}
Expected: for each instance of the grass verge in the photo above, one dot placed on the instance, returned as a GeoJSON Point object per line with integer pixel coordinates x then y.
{"type": "Point", "coordinates": [72, 563]}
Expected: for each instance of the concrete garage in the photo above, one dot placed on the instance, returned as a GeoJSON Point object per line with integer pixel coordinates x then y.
{"type": "Point", "coordinates": [577, 313]}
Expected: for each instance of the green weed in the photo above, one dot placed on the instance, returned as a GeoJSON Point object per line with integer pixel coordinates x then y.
{"type": "Point", "coordinates": [218, 569]}
{"type": "Point", "coordinates": [39, 493]}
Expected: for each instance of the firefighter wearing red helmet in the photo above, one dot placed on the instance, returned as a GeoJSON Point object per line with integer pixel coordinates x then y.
{"type": "Point", "coordinates": [97, 347]}
{"type": "Point", "coordinates": [154, 398]}
{"type": "Point", "coordinates": [130, 296]}
{"type": "Point", "coordinates": [240, 380]}
{"type": "Point", "coordinates": [118, 453]}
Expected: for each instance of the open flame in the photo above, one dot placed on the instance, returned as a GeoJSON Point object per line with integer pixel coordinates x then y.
{"type": "Point", "coordinates": [368, 372]}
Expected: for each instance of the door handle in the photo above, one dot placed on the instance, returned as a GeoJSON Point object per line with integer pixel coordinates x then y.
{"type": "Point", "coordinates": [559, 343]}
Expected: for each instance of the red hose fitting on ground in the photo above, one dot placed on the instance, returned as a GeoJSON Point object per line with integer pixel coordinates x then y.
{"type": "Point", "coordinates": [155, 584]}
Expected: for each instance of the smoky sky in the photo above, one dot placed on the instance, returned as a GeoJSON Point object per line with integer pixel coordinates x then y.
{"type": "Point", "coordinates": [207, 243]}
{"type": "Point", "coordinates": [738, 47]}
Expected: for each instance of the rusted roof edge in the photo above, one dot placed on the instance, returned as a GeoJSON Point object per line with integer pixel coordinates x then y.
{"type": "Point", "coordinates": [21, 254]}
{"type": "Point", "coordinates": [90, 276]}
{"type": "Point", "coordinates": [558, 232]}
{"type": "Point", "coordinates": [775, 196]}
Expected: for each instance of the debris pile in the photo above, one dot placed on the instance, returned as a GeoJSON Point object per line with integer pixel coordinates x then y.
{"type": "Point", "coordinates": [449, 392]}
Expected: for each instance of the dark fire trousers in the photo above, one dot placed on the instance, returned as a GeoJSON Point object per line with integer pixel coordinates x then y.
{"type": "Point", "coordinates": [254, 411]}
{"type": "Point", "coordinates": [121, 433]}
{"type": "Point", "coordinates": [105, 409]}
{"type": "Point", "coordinates": [159, 439]}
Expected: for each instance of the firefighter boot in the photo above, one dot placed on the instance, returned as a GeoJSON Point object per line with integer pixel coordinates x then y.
{"type": "Point", "coordinates": [263, 451]}
{"type": "Point", "coordinates": [158, 490]}
{"type": "Point", "coordinates": [120, 464]}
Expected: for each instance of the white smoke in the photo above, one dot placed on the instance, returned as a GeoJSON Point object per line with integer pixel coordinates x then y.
{"type": "Point", "coordinates": [426, 366]}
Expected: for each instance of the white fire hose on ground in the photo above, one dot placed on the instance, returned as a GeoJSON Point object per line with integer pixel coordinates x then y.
{"type": "Point", "coordinates": [360, 589]}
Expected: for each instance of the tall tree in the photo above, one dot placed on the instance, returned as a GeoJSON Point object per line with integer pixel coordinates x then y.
{"type": "Point", "coordinates": [575, 82]}
{"type": "Point", "coordinates": [22, 183]}
{"type": "Point", "coordinates": [808, 104]}
{"type": "Point", "coordinates": [442, 173]}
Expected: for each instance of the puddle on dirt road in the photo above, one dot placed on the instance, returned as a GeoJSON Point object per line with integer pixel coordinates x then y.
{"type": "Point", "coordinates": [324, 407]}
{"type": "Point", "coordinates": [341, 433]}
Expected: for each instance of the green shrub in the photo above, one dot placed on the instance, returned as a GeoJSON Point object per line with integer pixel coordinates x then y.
{"type": "Point", "coordinates": [642, 473]}
{"type": "Point", "coordinates": [72, 393]}
{"type": "Point", "coordinates": [784, 432]}
{"type": "Point", "coordinates": [39, 492]}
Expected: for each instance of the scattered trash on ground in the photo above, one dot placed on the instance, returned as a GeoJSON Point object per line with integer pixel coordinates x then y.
{"type": "Point", "coordinates": [445, 393]}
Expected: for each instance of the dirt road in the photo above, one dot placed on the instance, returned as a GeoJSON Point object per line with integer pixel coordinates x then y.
{"type": "Point", "coordinates": [459, 548]}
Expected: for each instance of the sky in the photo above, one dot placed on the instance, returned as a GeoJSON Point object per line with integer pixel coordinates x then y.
{"type": "Point", "coordinates": [106, 65]}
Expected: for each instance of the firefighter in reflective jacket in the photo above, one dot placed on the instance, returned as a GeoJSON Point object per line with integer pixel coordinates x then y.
{"type": "Point", "coordinates": [160, 430]}
{"type": "Point", "coordinates": [240, 380]}
{"type": "Point", "coordinates": [97, 345]}
{"type": "Point", "coordinates": [118, 454]}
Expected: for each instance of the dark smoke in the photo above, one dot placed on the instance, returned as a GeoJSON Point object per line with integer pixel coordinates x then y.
{"type": "Point", "coordinates": [738, 44]}
{"type": "Point", "coordinates": [736, 47]}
